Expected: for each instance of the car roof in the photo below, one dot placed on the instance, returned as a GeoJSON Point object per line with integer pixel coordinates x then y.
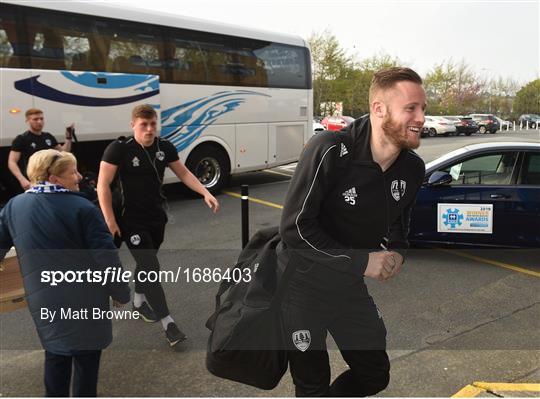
{"type": "Point", "coordinates": [479, 147]}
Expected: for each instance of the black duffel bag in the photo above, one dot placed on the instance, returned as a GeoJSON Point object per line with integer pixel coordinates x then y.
{"type": "Point", "coordinates": [246, 342]}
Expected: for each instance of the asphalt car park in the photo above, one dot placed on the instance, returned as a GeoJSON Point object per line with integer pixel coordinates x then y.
{"type": "Point", "coordinates": [456, 319]}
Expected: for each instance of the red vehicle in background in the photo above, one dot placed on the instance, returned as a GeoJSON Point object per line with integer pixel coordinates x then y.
{"type": "Point", "coordinates": [336, 123]}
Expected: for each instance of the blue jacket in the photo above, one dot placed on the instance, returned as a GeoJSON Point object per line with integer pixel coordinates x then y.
{"type": "Point", "coordinates": [63, 232]}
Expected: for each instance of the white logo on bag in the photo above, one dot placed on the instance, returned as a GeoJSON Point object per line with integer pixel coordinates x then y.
{"type": "Point", "coordinates": [33, 145]}
{"type": "Point", "coordinates": [135, 239]}
{"type": "Point", "coordinates": [135, 161]}
{"type": "Point", "coordinates": [398, 189]}
{"type": "Point", "coordinates": [160, 155]}
{"type": "Point", "coordinates": [301, 339]}
{"type": "Point", "coordinates": [350, 196]}
{"type": "Point", "coordinates": [343, 150]}
{"type": "Point", "coordinates": [48, 142]}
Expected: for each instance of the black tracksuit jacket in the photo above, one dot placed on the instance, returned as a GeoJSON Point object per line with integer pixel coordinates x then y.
{"type": "Point", "coordinates": [340, 205]}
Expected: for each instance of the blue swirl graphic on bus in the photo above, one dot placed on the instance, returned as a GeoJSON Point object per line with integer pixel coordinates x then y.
{"type": "Point", "coordinates": [36, 88]}
{"type": "Point", "coordinates": [112, 80]}
{"type": "Point", "coordinates": [183, 124]}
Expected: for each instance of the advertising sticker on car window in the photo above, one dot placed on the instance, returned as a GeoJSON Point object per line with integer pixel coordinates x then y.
{"type": "Point", "coordinates": [455, 171]}
{"type": "Point", "coordinates": [465, 218]}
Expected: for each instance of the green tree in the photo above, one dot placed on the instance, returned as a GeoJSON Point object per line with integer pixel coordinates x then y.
{"type": "Point", "coordinates": [452, 89]}
{"type": "Point", "coordinates": [356, 101]}
{"type": "Point", "coordinates": [329, 63]}
{"type": "Point", "coordinates": [528, 99]}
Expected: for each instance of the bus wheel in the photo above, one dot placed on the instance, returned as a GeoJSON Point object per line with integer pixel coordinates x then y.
{"type": "Point", "coordinates": [211, 166]}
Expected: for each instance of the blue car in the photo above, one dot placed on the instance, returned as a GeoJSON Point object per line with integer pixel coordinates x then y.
{"type": "Point", "coordinates": [481, 195]}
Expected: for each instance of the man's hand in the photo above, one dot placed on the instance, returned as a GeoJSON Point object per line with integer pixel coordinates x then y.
{"type": "Point", "coordinates": [113, 228]}
{"type": "Point", "coordinates": [383, 265]}
{"type": "Point", "coordinates": [69, 131]}
{"type": "Point", "coordinates": [25, 184]}
{"type": "Point", "coordinates": [212, 202]}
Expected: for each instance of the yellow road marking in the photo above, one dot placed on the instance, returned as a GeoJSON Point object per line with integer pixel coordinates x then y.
{"type": "Point", "coordinates": [492, 262]}
{"type": "Point", "coordinates": [252, 199]}
{"type": "Point", "coordinates": [496, 386]}
{"type": "Point", "coordinates": [276, 173]}
{"type": "Point", "coordinates": [476, 388]}
{"type": "Point", "coordinates": [470, 391]}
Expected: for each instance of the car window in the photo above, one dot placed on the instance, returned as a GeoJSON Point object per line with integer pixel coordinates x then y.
{"type": "Point", "coordinates": [531, 169]}
{"type": "Point", "coordinates": [486, 169]}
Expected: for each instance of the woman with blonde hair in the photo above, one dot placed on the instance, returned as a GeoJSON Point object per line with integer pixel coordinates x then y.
{"type": "Point", "coordinates": [55, 229]}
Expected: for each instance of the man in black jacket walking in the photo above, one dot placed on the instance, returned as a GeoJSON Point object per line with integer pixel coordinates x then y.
{"type": "Point", "coordinates": [346, 216]}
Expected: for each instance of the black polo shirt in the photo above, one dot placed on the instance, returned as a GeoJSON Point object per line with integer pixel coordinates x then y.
{"type": "Point", "coordinates": [28, 143]}
{"type": "Point", "coordinates": [140, 172]}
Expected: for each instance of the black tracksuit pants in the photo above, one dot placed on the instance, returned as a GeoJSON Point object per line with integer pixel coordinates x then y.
{"type": "Point", "coordinates": [321, 300]}
{"type": "Point", "coordinates": [59, 368]}
{"type": "Point", "coordinates": [143, 240]}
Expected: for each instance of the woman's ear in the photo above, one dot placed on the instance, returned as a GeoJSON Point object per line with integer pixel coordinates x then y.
{"type": "Point", "coordinates": [53, 179]}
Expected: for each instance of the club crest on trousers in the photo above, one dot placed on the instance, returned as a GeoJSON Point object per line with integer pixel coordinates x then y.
{"type": "Point", "coordinates": [301, 339]}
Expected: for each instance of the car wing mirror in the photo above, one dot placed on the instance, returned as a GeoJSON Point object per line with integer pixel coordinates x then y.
{"type": "Point", "coordinates": [439, 178]}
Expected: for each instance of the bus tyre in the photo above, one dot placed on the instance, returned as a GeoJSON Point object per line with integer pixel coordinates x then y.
{"type": "Point", "coordinates": [211, 166]}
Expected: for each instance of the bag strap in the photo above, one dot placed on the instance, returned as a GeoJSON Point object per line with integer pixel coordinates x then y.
{"type": "Point", "coordinates": [283, 283]}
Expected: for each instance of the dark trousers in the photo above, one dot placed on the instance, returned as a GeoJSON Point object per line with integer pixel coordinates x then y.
{"type": "Point", "coordinates": [143, 241]}
{"type": "Point", "coordinates": [320, 301]}
{"type": "Point", "coordinates": [58, 371]}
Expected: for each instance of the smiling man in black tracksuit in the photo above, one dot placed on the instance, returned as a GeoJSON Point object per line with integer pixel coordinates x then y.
{"type": "Point", "coordinates": [346, 216]}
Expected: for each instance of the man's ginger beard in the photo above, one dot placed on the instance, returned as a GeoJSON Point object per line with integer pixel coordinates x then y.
{"type": "Point", "coordinates": [397, 133]}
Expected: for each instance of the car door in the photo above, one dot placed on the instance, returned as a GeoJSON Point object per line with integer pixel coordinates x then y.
{"type": "Point", "coordinates": [527, 216]}
{"type": "Point", "coordinates": [476, 208]}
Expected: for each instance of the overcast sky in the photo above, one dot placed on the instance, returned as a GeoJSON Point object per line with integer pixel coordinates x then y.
{"type": "Point", "coordinates": [496, 38]}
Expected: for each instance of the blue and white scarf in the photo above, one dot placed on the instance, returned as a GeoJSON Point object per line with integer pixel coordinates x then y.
{"type": "Point", "coordinates": [45, 187]}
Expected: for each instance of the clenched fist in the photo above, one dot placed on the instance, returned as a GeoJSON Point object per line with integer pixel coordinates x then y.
{"type": "Point", "coordinates": [383, 265]}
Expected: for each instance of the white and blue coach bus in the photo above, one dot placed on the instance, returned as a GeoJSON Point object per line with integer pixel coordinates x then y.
{"type": "Point", "coordinates": [230, 99]}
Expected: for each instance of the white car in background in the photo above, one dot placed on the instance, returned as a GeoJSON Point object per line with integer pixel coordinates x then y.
{"type": "Point", "coordinates": [505, 125]}
{"type": "Point", "coordinates": [437, 125]}
{"type": "Point", "coordinates": [317, 127]}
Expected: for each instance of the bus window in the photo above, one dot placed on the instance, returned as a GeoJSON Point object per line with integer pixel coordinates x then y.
{"type": "Point", "coordinates": [76, 50]}
{"type": "Point", "coordinates": [60, 41]}
{"type": "Point", "coordinates": [132, 49]}
{"type": "Point", "coordinates": [14, 49]}
{"type": "Point", "coordinates": [188, 64]}
{"type": "Point", "coordinates": [47, 48]}
{"type": "Point", "coordinates": [285, 65]}
{"type": "Point", "coordinates": [6, 50]}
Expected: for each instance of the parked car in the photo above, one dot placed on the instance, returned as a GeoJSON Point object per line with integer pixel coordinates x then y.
{"type": "Point", "coordinates": [464, 124]}
{"type": "Point", "coordinates": [317, 127]}
{"type": "Point", "coordinates": [486, 123]}
{"type": "Point", "coordinates": [532, 119]}
{"type": "Point", "coordinates": [438, 125]}
{"type": "Point", "coordinates": [481, 195]}
{"type": "Point", "coordinates": [336, 122]}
